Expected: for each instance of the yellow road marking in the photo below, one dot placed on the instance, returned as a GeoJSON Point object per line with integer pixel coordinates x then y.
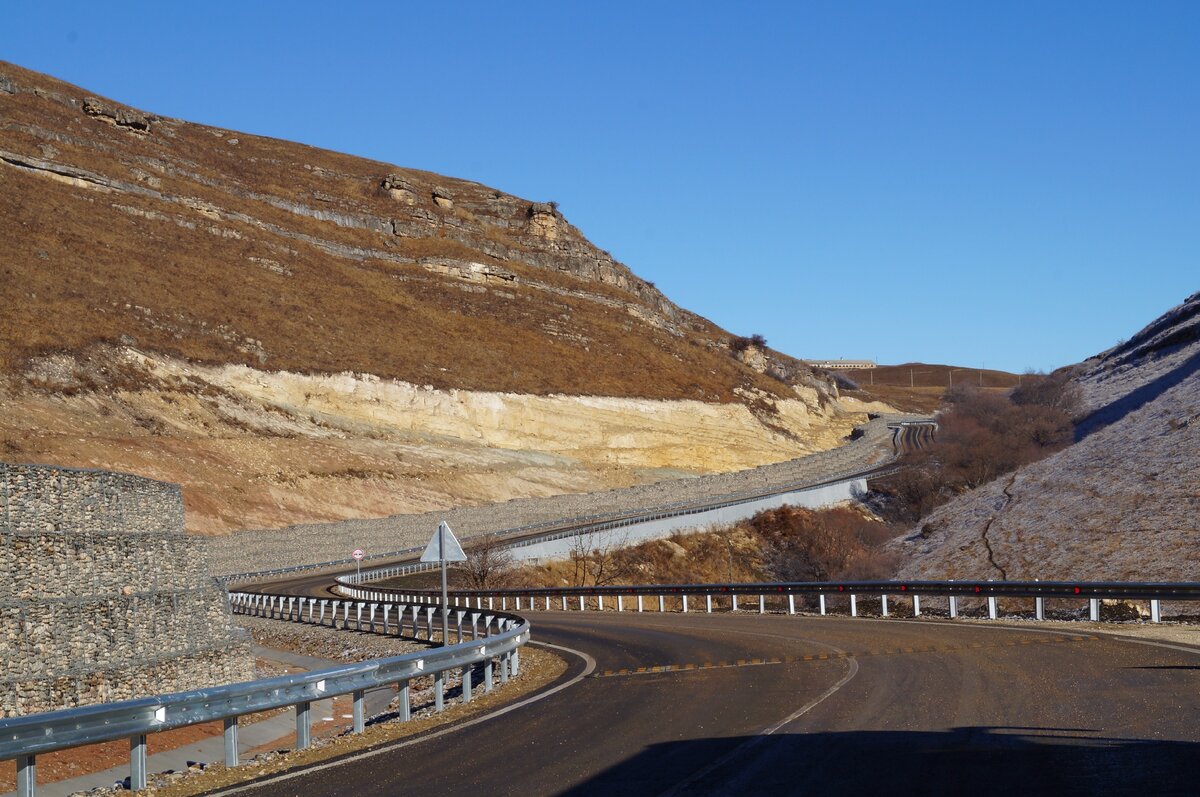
{"type": "Point", "coordinates": [811, 657]}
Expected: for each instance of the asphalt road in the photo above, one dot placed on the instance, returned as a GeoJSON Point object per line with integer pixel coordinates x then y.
{"type": "Point", "coordinates": [807, 705]}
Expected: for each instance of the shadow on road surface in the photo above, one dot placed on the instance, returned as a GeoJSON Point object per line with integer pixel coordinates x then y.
{"type": "Point", "coordinates": [962, 761]}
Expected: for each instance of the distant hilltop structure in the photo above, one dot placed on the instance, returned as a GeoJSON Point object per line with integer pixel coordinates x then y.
{"type": "Point", "coordinates": [839, 365]}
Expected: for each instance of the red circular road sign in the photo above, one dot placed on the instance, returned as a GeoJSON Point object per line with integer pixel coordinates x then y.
{"type": "Point", "coordinates": [358, 553]}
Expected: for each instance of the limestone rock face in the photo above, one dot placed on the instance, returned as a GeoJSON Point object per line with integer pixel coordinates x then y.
{"type": "Point", "coordinates": [400, 189]}
{"type": "Point", "coordinates": [121, 117]}
{"type": "Point", "coordinates": [543, 220]}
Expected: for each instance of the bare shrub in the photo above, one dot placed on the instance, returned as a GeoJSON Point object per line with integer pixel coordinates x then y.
{"type": "Point", "coordinates": [805, 545]}
{"type": "Point", "coordinates": [488, 562]}
{"type": "Point", "coordinates": [982, 436]}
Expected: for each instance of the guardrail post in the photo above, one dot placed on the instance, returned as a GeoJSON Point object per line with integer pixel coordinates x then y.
{"type": "Point", "coordinates": [707, 603]}
{"type": "Point", "coordinates": [1155, 611]}
{"type": "Point", "coordinates": [581, 602]}
{"type": "Point", "coordinates": [475, 625]}
{"type": "Point", "coordinates": [415, 610]}
{"type": "Point", "coordinates": [516, 662]}
{"type": "Point", "coordinates": [1094, 609]}
{"type": "Point", "coordinates": [600, 603]}
{"type": "Point", "coordinates": [303, 725]}
{"type": "Point", "coordinates": [639, 599]}
{"type": "Point", "coordinates": [564, 603]}
{"type": "Point", "coordinates": [345, 615]}
{"type": "Point", "coordinates": [439, 685]}
{"type": "Point", "coordinates": [137, 762]}
{"type": "Point", "coordinates": [458, 620]}
{"type": "Point", "coordinates": [405, 706]}
{"type": "Point", "coordinates": [547, 603]}
{"type": "Point", "coordinates": [387, 608]}
{"type": "Point", "coordinates": [504, 604]}
{"type": "Point", "coordinates": [791, 603]}
{"type": "Point", "coordinates": [374, 606]}
{"type": "Point", "coordinates": [916, 605]}
{"type": "Point", "coordinates": [504, 662]}
{"type": "Point", "coordinates": [487, 675]}
{"type": "Point", "coordinates": [466, 684]}
{"type": "Point", "coordinates": [991, 604]}
{"type": "Point", "coordinates": [490, 599]}
{"type": "Point", "coordinates": [821, 601]}
{"type": "Point", "coordinates": [733, 603]}
{"type": "Point", "coordinates": [26, 776]}
{"type": "Point", "coordinates": [231, 741]}
{"type": "Point", "coordinates": [358, 607]}
{"type": "Point", "coordinates": [883, 605]}
{"type": "Point", "coordinates": [620, 603]}
{"type": "Point", "coordinates": [685, 605]}
{"type": "Point", "coordinates": [953, 606]}
{"type": "Point", "coordinates": [1039, 608]}
{"type": "Point", "coordinates": [662, 604]}
{"type": "Point", "coordinates": [429, 623]}
{"type": "Point", "coordinates": [518, 603]}
{"type": "Point", "coordinates": [357, 710]}
{"type": "Point", "coordinates": [762, 605]}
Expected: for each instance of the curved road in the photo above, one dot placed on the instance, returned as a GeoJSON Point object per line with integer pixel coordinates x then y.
{"type": "Point", "coordinates": [807, 705]}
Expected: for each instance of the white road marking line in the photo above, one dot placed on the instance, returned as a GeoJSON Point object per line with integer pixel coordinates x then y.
{"type": "Point", "coordinates": [749, 744]}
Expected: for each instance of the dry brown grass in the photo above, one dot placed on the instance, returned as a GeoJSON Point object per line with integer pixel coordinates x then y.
{"type": "Point", "coordinates": [82, 266]}
{"type": "Point", "coordinates": [786, 544]}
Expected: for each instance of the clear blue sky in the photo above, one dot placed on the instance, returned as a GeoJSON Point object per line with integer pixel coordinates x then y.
{"type": "Point", "coordinates": [1015, 184]}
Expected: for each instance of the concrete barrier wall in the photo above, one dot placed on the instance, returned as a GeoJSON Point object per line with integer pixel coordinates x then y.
{"type": "Point", "coordinates": [247, 551]}
{"type": "Point", "coordinates": [701, 521]}
{"type": "Point", "coordinates": [102, 596]}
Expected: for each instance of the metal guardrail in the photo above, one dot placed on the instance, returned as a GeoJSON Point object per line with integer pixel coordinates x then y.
{"type": "Point", "coordinates": [23, 738]}
{"type": "Point", "coordinates": [1093, 592]}
{"type": "Point", "coordinates": [588, 524]}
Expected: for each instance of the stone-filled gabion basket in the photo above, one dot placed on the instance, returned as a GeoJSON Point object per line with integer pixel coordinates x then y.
{"type": "Point", "coordinates": [102, 596]}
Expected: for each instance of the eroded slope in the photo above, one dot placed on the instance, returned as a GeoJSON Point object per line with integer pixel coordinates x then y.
{"type": "Point", "coordinates": [1120, 504]}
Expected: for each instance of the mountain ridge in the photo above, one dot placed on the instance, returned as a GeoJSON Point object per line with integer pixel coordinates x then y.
{"type": "Point", "coordinates": [372, 307]}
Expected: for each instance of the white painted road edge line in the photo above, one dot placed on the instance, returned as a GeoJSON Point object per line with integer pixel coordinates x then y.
{"type": "Point", "coordinates": [588, 669]}
{"type": "Point", "coordinates": [746, 746]}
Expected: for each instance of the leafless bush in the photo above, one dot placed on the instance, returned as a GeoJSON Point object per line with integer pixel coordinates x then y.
{"type": "Point", "coordinates": [981, 437]}
{"type": "Point", "coordinates": [805, 545]}
{"type": "Point", "coordinates": [488, 562]}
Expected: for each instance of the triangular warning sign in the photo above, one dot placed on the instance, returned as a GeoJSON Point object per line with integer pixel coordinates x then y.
{"type": "Point", "coordinates": [443, 546]}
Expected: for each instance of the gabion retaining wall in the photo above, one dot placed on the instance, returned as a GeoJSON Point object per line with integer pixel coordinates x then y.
{"type": "Point", "coordinates": [102, 597]}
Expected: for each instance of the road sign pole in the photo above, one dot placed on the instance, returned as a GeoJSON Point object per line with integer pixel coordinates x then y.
{"type": "Point", "coordinates": [445, 599]}
{"type": "Point", "coordinates": [443, 548]}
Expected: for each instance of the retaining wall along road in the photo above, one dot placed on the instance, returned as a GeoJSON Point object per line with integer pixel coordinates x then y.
{"type": "Point", "coordinates": [102, 597]}
{"type": "Point", "coordinates": [249, 551]}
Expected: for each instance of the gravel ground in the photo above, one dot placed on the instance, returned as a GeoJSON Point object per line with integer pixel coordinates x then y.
{"type": "Point", "coordinates": [323, 642]}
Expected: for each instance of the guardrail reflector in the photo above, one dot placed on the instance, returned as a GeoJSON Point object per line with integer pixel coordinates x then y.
{"type": "Point", "coordinates": [320, 685]}
{"type": "Point", "coordinates": [160, 714]}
